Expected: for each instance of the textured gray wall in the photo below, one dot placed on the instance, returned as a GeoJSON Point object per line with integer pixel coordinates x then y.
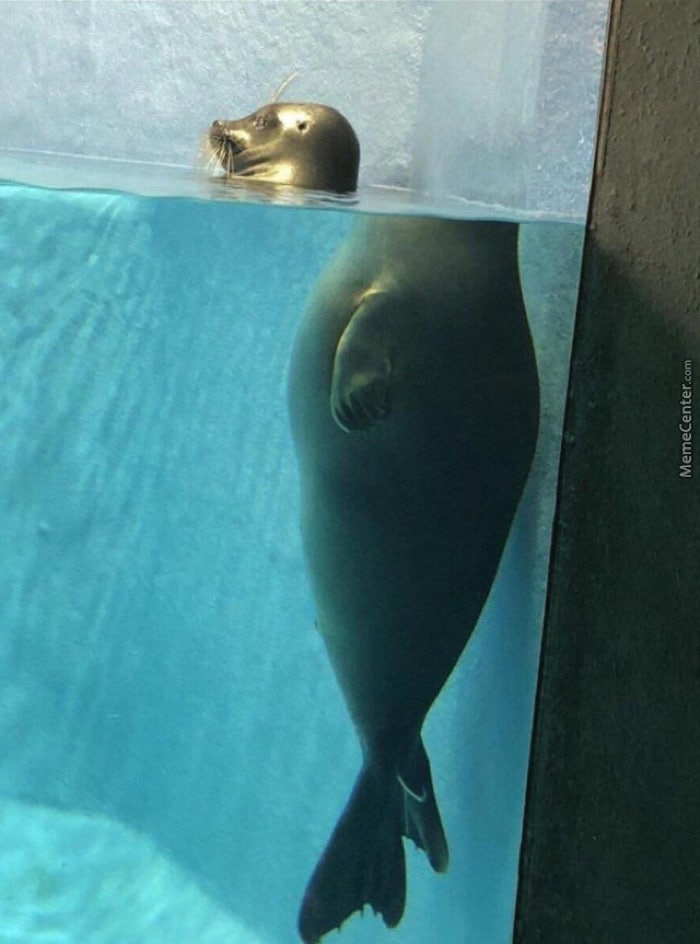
{"type": "Point", "coordinates": [487, 101]}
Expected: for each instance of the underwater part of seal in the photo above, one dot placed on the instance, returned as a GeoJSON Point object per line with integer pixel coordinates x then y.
{"type": "Point", "coordinates": [413, 400]}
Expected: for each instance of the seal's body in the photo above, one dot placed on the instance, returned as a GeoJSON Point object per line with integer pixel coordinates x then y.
{"type": "Point", "coordinates": [413, 399]}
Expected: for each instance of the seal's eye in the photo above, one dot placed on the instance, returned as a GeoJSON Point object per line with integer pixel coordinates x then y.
{"type": "Point", "coordinates": [260, 122]}
{"type": "Point", "coordinates": [302, 125]}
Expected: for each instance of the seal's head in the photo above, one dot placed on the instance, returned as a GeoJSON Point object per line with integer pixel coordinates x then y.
{"type": "Point", "coordinates": [302, 145]}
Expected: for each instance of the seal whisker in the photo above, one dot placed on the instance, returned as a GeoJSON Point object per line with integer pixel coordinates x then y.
{"type": "Point", "coordinates": [206, 155]}
{"type": "Point", "coordinates": [285, 84]}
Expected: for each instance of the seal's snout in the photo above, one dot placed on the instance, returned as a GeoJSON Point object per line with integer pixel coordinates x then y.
{"type": "Point", "coordinates": [222, 143]}
{"type": "Point", "coordinates": [226, 141]}
{"type": "Point", "coordinates": [223, 134]}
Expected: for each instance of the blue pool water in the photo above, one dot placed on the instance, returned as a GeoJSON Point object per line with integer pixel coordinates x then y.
{"type": "Point", "coordinates": [175, 750]}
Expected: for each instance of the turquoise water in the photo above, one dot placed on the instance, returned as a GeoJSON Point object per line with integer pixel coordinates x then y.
{"type": "Point", "coordinates": [175, 750]}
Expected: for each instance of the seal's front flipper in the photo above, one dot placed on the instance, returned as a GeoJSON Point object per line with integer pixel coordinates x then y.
{"type": "Point", "coordinates": [361, 382]}
{"type": "Point", "coordinates": [363, 863]}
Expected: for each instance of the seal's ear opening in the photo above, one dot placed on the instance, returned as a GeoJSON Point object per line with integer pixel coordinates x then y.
{"type": "Point", "coordinates": [302, 125]}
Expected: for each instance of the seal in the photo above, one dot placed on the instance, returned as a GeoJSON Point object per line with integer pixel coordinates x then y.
{"type": "Point", "coordinates": [300, 145]}
{"type": "Point", "coordinates": [413, 400]}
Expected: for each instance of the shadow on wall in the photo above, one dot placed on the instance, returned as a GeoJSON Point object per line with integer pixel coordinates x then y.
{"type": "Point", "coordinates": [508, 103]}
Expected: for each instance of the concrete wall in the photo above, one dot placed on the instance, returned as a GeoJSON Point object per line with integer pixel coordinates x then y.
{"type": "Point", "coordinates": [612, 834]}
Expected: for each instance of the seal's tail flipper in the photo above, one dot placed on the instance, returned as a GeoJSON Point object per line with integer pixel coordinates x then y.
{"type": "Point", "coordinates": [422, 817]}
{"type": "Point", "coordinates": [363, 862]}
